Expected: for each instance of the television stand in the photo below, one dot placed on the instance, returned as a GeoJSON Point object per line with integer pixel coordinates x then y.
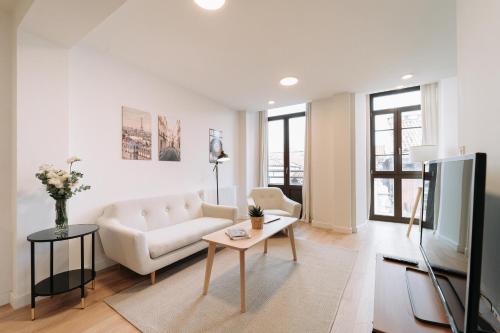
{"type": "Point", "coordinates": [392, 308]}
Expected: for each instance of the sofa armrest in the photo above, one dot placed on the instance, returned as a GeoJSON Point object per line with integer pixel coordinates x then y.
{"type": "Point", "coordinates": [224, 212]}
{"type": "Point", "coordinates": [124, 245]}
{"type": "Point", "coordinates": [292, 207]}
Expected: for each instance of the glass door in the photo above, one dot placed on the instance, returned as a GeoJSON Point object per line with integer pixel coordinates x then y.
{"type": "Point", "coordinates": [286, 143]}
{"type": "Point", "coordinates": [396, 125]}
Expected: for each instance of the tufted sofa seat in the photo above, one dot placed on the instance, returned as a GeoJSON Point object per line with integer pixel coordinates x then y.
{"type": "Point", "coordinates": [147, 234]}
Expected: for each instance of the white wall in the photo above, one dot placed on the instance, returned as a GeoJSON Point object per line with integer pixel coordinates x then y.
{"type": "Point", "coordinates": [448, 117]}
{"type": "Point", "coordinates": [479, 113]}
{"type": "Point", "coordinates": [362, 163]}
{"type": "Point", "coordinates": [42, 136]}
{"type": "Point", "coordinates": [252, 150]}
{"type": "Point", "coordinates": [479, 82]}
{"type": "Point", "coordinates": [7, 45]}
{"type": "Point", "coordinates": [99, 86]}
{"type": "Point", "coordinates": [69, 103]}
{"type": "Point", "coordinates": [332, 165]}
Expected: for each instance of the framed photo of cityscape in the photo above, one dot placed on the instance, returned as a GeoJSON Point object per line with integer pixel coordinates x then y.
{"type": "Point", "coordinates": [214, 144]}
{"type": "Point", "coordinates": [169, 139]}
{"type": "Point", "coordinates": [136, 134]}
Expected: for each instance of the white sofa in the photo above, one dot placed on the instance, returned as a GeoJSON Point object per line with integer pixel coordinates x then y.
{"type": "Point", "coordinates": [148, 234]}
{"type": "Point", "coordinates": [274, 202]}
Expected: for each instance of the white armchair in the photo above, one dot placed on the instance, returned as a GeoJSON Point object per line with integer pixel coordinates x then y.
{"type": "Point", "coordinates": [274, 202]}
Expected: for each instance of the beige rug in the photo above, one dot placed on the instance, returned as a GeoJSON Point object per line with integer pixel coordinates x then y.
{"type": "Point", "coordinates": [282, 296]}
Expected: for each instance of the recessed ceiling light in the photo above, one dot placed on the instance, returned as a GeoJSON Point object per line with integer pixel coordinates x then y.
{"type": "Point", "coordinates": [406, 77]}
{"type": "Point", "coordinates": [210, 4]}
{"type": "Point", "coordinates": [289, 81]}
{"type": "Point", "coordinates": [271, 102]}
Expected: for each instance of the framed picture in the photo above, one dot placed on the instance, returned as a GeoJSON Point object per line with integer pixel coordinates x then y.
{"type": "Point", "coordinates": [214, 144]}
{"type": "Point", "coordinates": [136, 134]}
{"type": "Point", "coordinates": [169, 139]}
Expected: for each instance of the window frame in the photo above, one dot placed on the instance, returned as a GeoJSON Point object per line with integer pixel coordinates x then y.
{"type": "Point", "coordinates": [286, 149]}
{"type": "Point", "coordinates": [397, 174]}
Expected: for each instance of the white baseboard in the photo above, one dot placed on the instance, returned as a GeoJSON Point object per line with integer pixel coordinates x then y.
{"type": "Point", "coordinates": [342, 230]}
{"type": "Point", "coordinates": [323, 225]}
{"type": "Point", "coordinates": [18, 301]}
{"type": "Point", "coordinates": [362, 225]}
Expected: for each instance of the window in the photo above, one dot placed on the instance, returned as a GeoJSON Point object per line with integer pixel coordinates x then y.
{"type": "Point", "coordinates": [286, 143]}
{"type": "Point", "coordinates": [396, 125]}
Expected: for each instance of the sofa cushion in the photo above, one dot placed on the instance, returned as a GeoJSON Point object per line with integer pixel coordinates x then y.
{"type": "Point", "coordinates": [278, 212]}
{"type": "Point", "coordinates": [164, 240]}
{"type": "Point", "coordinates": [155, 213]}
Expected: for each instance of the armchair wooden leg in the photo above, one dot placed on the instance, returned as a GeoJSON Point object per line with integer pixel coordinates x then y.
{"type": "Point", "coordinates": [153, 277]}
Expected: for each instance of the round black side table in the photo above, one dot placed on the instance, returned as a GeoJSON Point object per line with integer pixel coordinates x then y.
{"type": "Point", "coordinates": [68, 280]}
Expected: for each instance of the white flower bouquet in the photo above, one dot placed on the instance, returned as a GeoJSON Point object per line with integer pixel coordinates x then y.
{"type": "Point", "coordinates": [61, 185]}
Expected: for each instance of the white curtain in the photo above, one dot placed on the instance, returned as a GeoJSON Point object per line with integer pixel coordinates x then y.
{"type": "Point", "coordinates": [263, 130]}
{"type": "Point", "coordinates": [430, 113]}
{"type": "Point", "coordinates": [306, 187]}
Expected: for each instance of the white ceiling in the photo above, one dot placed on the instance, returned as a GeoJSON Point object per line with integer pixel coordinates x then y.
{"type": "Point", "coordinates": [237, 55]}
{"type": "Point", "coordinates": [67, 21]}
{"type": "Point", "coordinates": [7, 5]}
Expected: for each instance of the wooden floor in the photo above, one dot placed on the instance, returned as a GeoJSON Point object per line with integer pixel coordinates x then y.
{"type": "Point", "coordinates": [62, 313]}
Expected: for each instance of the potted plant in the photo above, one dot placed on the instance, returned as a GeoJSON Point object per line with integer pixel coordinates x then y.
{"type": "Point", "coordinates": [61, 185]}
{"type": "Point", "coordinates": [256, 216]}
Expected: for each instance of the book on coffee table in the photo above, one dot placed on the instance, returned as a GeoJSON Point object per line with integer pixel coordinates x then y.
{"type": "Point", "coordinates": [237, 233]}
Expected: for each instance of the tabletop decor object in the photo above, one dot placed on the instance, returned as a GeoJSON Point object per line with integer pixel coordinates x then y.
{"type": "Point", "coordinates": [256, 216]}
{"type": "Point", "coordinates": [61, 185]}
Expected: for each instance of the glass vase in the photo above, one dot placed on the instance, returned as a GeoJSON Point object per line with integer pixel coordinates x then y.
{"type": "Point", "coordinates": [61, 216]}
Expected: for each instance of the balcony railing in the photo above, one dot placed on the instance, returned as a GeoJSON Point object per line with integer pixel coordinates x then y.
{"type": "Point", "coordinates": [276, 175]}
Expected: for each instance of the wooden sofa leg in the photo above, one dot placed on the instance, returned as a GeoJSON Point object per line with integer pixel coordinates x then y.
{"type": "Point", "coordinates": [153, 277]}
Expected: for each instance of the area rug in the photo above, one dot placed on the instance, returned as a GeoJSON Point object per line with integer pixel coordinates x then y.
{"type": "Point", "coordinates": [281, 295]}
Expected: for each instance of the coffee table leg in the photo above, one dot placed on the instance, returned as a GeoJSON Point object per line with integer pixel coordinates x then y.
{"type": "Point", "coordinates": [242, 282]}
{"type": "Point", "coordinates": [292, 241]}
{"type": "Point", "coordinates": [265, 246]}
{"type": "Point", "coordinates": [208, 271]}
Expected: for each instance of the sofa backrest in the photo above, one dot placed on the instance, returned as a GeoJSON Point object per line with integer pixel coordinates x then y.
{"type": "Point", "coordinates": [267, 197]}
{"type": "Point", "coordinates": [153, 213]}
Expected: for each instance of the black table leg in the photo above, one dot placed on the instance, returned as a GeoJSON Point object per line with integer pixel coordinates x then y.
{"type": "Point", "coordinates": [82, 259]}
{"type": "Point", "coordinates": [33, 295]}
{"type": "Point", "coordinates": [93, 260]}
{"type": "Point", "coordinates": [51, 267]}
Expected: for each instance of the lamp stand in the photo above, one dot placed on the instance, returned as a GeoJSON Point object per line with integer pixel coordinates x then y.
{"type": "Point", "coordinates": [216, 169]}
{"type": "Point", "coordinates": [415, 204]}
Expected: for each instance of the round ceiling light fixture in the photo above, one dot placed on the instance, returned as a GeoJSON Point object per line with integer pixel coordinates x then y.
{"type": "Point", "coordinates": [406, 77]}
{"type": "Point", "coordinates": [210, 4]}
{"type": "Point", "coordinates": [289, 81]}
{"type": "Point", "coordinates": [271, 102]}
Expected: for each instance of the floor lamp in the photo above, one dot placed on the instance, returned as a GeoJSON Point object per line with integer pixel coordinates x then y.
{"type": "Point", "coordinates": [223, 157]}
{"type": "Point", "coordinates": [420, 154]}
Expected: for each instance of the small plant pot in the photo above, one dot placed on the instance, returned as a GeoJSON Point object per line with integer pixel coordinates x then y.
{"type": "Point", "coordinates": [257, 222]}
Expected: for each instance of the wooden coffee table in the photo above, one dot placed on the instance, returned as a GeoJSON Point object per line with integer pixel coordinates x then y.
{"type": "Point", "coordinates": [257, 236]}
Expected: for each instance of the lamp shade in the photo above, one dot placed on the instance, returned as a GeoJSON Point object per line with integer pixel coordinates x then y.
{"type": "Point", "coordinates": [423, 153]}
{"type": "Point", "coordinates": [223, 157]}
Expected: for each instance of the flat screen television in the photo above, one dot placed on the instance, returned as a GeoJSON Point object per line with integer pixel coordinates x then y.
{"type": "Point", "coordinates": [451, 241]}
